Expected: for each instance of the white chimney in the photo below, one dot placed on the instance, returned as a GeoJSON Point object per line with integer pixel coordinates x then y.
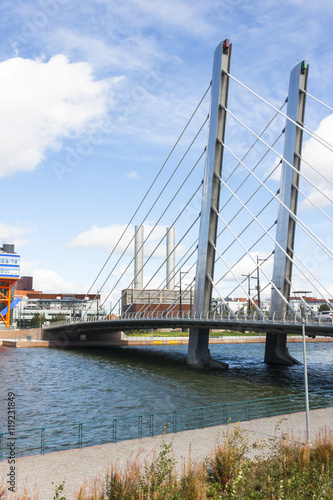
{"type": "Point", "coordinates": [170, 256]}
{"type": "Point", "coordinates": [138, 258]}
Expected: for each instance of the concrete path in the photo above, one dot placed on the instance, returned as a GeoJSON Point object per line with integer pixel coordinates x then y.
{"type": "Point", "coordinates": [37, 473]}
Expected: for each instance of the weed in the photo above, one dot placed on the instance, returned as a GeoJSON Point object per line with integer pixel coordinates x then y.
{"type": "Point", "coordinates": [58, 490]}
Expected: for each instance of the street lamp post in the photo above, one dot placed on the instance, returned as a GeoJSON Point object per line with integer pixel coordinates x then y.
{"type": "Point", "coordinates": [307, 406]}
{"type": "Point", "coordinates": [258, 276]}
{"type": "Point", "coordinates": [180, 290]}
{"type": "Point", "coordinates": [306, 388]}
{"type": "Point", "coordinates": [97, 297]}
{"type": "Point", "coordinates": [248, 276]}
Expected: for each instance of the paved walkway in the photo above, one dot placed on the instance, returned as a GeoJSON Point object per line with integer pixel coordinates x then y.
{"type": "Point", "coordinates": [37, 473]}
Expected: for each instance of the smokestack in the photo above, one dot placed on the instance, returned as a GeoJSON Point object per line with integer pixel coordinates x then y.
{"type": "Point", "coordinates": [138, 258]}
{"type": "Point", "coordinates": [170, 246]}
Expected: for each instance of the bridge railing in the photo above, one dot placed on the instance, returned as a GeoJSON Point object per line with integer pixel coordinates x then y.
{"type": "Point", "coordinates": [241, 317]}
{"type": "Point", "coordinates": [48, 439]}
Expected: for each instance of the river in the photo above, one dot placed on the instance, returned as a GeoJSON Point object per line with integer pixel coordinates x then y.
{"type": "Point", "coordinates": [55, 387]}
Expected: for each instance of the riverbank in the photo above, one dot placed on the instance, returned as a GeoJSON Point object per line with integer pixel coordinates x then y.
{"type": "Point", "coordinates": [31, 338]}
{"type": "Point", "coordinates": [39, 474]}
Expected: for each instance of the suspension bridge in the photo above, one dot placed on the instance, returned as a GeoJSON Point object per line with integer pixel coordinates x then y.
{"type": "Point", "coordinates": [251, 202]}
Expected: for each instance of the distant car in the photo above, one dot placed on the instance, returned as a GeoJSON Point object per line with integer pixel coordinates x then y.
{"type": "Point", "coordinates": [324, 316]}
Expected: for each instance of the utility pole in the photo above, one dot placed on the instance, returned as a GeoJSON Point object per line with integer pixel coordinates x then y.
{"type": "Point", "coordinates": [248, 276]}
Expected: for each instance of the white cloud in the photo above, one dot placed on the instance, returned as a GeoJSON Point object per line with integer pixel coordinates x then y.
{"type": "Point", "coordinates": [18, 235]}
{"type": "Point", "coordinates": [321, 158]}
{"type": "Point", "coordinates": [48, 281]}
{"type": "Point", "coordinates": [105, 238]}
{"type": "Point", "coordinates": [132, 175]}
{"type": "Point", "coordinates": [44, 102]}
{"type": "Point", "coordinates": [133, 53]}
{"type": "Point", "coordinates": [172, 15]}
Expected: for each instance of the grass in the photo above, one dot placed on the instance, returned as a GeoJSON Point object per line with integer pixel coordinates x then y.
{"type": "Point", "coordinates": [280, 468]}
{"type": "Point", "coordinates": [140, 333]}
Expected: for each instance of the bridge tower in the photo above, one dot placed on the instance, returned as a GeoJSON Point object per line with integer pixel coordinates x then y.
{"type": "Point", "coordinates": [276, 351]}
{"type": "Point", "coordinates": [198, 352]}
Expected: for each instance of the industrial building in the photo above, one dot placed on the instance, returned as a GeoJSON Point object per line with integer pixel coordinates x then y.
{"type": "Point", "coordinates": [52, 305]}
{"type": "Point", "coordinates": [138, 299]}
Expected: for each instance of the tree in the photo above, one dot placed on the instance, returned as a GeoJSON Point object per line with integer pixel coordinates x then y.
{"type": "Point", "coordinates": [58, 317]}
{"type": "Point", "coordinates": [324, 307]}
{"type": "Point", "coordinates": [37, 320]}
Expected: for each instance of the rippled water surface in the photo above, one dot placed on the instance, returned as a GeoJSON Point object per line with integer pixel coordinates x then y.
{"type": "Point", "coordinates": [55, 386]}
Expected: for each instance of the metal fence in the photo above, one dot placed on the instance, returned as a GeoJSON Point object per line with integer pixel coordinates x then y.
{"type": "Point", "coordinates": [80, 434]}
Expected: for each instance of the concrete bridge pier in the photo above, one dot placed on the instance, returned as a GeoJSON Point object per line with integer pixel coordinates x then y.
{"type": "Point", "coordinates": [198, 352]}
{"type": "Point", "coordinates": [276, 351]}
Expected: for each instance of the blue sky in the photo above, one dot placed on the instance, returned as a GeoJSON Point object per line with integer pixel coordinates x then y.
{"type": "Point", "coordinates": [93, 95]}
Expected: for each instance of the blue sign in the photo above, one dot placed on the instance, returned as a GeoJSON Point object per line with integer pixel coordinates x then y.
{"type": "Point", "coordinates": [9, 265]}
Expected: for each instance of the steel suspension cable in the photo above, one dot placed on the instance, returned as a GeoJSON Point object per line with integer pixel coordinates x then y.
{"type": "Point", "coordinates": [178, 267]}
{"type": "Point", "coordinates": [304, 227]}
{"type": "Point", "coordinates": [244, 254]}
{"type": "Point", "coordinates": [277, 154]}
{"type": "Point", "coordinates": [150, 187]}
{"type": "Point", "coordinates": [156, 200]}
{"type": "Point", "coordinates": [248, 225]}
{"type": "Point", "coordinates": [189, 201]}
{"type": "Point", "coordinates": [251, 220]}
{"type": "Point", "coordinates": [248, 200]}
{"type": "Point", "coordinates": [282, 249]}
{"type": "Point", "coordinates": [232, 232]}
{"type": "Point", "coordinates": [163, 263]}
{"type": "Point", "coordinates": [305, 129]}
{"type": "Point", "coordinates": [257, 140]}
{"type": "Point", "coordinates": [315, 205]}
{"type": "Point", "coordinates": [320, 102]}
{"type": "Point", "coordinates": [316, 170]}
{"type": "Point", "coordinates": [254, 168]}
{"type": "Point", "coordinates": [246, 293]}
{"type": "Point", "coordinates": [270, 255]}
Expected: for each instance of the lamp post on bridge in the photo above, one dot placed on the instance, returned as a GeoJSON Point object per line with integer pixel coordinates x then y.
{"type": "Point", "coordinates": [307, 406]}
{"type": "Point", "coordinates": [97, 297]}
{"type": "Point", "coordinates": [180, 290]}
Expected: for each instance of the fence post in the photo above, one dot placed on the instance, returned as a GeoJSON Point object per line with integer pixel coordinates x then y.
{"type": "Point", "coordinates": [151, 425]}
{"type": "Point", "coordinates": [288, 400]}
{"type": "Point", "coordinates": [201, 417]}
{"type": "Point", "coordinates": [269, 408]}
{"type": "Point", "coordinates": [248, 414]}
{"type": "Point", "coordinates": [225, 414]}
{"type": "Point", "coordinates": [114, 430]}
{"type": "Point", "coordinates": [1, 447]}
{"type": "Point", "coordinates": [174, 423]}
{"type": "Point", "coordinates": [140, 427]}
{"type": "Point", "coordinates": [80, 436]}
{"type": "Point", "coordinates": [42, 441]}
{"type": "Point", "coordinates": [324, 395]}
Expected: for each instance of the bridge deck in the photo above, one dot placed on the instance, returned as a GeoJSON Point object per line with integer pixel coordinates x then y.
{"type": "Point", "coordinates": [260, 326]}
